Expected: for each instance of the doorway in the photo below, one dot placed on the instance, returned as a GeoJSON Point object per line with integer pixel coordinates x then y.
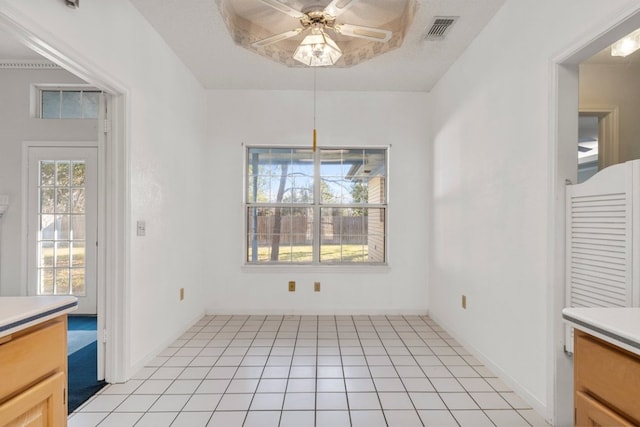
{"type": "Point", "coordinates": [564, 121]}
{"type": "Point", "coordinates": [63, 223]}
{"type": "Point", "coordinates": [113, 201]}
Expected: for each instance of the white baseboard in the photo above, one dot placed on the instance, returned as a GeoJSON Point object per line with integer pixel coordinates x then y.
{"type": "Point", "coordinates": [135, 367]}
{"type": "Point", "coordinates": [347, 312]}
{"type": "Point", "coordinates": [535, 403]}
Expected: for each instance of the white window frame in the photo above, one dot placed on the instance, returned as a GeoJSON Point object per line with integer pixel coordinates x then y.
{"type": "Point", "coordinates": [316, 206]}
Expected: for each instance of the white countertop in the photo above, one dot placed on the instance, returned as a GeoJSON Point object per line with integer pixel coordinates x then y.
{"type": "Point", "coordinates": [17, 313]}
{"type": "Point", "coordinates": [618, 326]}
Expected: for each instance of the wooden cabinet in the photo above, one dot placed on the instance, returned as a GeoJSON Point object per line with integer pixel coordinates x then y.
{"type": "Point", "coordinates": [33, 373]}
{"type": "Point", "coordinates": [607, 383]}
{"type": "Point", "coordinates": [590, 412]}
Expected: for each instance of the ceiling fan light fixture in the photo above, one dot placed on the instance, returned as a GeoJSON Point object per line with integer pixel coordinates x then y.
{"type": "Point", "coordinates": [341, 34]}
{"type": "Point", "coordinates": [626, 45]}
{"type": "Point", "coordinates": [317, 49]}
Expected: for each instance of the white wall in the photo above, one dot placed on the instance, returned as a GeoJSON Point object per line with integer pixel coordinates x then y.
{"type": "Point", "coordinates": [492, 165]}
{"type": "Point", "coordinates": [165, 131]}
{"type": "Point", "coordinates": [616, 85]}
{"type": "Point", "coordinates": [343, 118]}
{"type": "Point", "coordinates": [16, 126]}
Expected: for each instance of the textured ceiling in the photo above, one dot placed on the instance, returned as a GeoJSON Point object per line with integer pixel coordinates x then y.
{"type": "Point", "coordinates": [196, 32]}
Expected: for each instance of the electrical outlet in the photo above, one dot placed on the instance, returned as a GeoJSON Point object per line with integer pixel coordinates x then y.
{"type": "Point", "coordinates": [464, 302]}
{"type": "Point", "coordinates": [292, 286]}
{"type": "Point", "coordinates": [181, 294]}
{"type": "Point", "coordinates": [316, 286]}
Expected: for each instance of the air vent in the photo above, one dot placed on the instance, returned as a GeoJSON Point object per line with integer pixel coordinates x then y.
{"type": "Point", "coordinates": [440, 27]}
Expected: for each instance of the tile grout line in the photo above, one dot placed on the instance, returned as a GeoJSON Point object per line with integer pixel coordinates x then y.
{"type": "Point", "coordinates": [390, 335]}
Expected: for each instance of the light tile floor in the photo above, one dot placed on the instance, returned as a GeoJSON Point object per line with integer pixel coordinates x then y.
{"type": "Point", "coordinates": [280, 371]}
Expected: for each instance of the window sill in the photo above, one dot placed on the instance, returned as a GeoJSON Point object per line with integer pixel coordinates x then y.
{"type": "Point", "coordinates": [325, 269]}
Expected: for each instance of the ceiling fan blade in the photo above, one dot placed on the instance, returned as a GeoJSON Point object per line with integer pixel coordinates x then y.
{"type": "Point", "coordinates": [277, 38]}
{"type": "Point", "coordinates": [281, 7]}
{"type": "Point", "coordinates": [375, 34]}
{"type": "Point", "coordinates": [337, 7]}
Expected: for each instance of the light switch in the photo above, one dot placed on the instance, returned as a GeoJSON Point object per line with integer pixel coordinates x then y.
{"type": "Point", "coordinates": [141, 228]}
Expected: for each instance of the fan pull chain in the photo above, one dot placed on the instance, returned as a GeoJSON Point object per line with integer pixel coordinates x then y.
{"type": "Point", "coordinates": [315, 135]}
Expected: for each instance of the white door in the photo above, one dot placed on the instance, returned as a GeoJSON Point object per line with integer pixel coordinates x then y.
{"type": "Point", "coordinates": [62, 229]}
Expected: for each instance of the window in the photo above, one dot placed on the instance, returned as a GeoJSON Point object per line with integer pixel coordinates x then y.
{"type": "Point", "coordinates": [323, 207]}
{"type": "Point", "coordinates": [61, 216]}
{"type": "Point", "coordinates": [69, 103]}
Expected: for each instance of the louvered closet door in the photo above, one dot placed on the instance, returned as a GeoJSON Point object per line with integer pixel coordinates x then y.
{"type": "Point", "coordinates": [600, 241]}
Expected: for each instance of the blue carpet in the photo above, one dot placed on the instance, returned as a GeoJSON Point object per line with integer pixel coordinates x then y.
{"type": "Point", "coordinates": [83, 371]}
{"type": "Point", "coordinates": [82, 361]}
{"type": "Point", "coordinates": [81, 331]}
{"type": "Point", "coordinates": [82, 323]}
{"type": "Point", "coordinates": [78, 339]}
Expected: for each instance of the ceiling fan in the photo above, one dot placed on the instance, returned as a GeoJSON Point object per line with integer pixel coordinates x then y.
{"type": "Point", "coordinates": [318, 48]}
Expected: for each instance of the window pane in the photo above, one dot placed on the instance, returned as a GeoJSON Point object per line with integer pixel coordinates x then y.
{"type": "Point", "coordinates": [62, 281]}
{"type": "Point", "coordinates": [352, 235]}
{"type": "Point", "coordinates": [62, 254]}
{"type": "Point", "coordinates": [347, 175]}
{"type": "Point", "coordinates": [71, 105]}
{"type": "Point", "coordinates": [50, 104]}
{"type": "Point", "coordinates": [375, 163]}
{"type": "Point", "coordinates": [77, 254]}
{"type": "Point", "coordinates": [78, 170]}
{"type": "Point", "coordinates": [62, 227]}
{"type": "Point", "coordinates": [63, 173]}
{"type": "Point", "coordinates": [47, 228]}
{"type": "Point", "coordinates": [280, 235]}
{"type": "Point", "coordinates": [46, 254]}
{"type": "Point", "coordinates": [279, 175]}
{"type": "Point", "coordinates": [62, 200]}
{"type": "Point", "coordinates": [90, 105]}
{"type": "Point", "coordinates": [47, 200]}
{"type": "Point", "coordinates": [77, 204]}
{"type": "Point", "coordinates": [47, 173]}
{"type": "Point", "coordinates": [78, 282]}
{"type": "Point", "coordinates": [78, 227]}
{"type": "Point", "coordinates": [46, 281]}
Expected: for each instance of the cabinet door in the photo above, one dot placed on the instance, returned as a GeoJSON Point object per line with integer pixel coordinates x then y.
{"type": "Point", "coordinates": [591, 413]}
{"type": "Point", "coordinates": [610, 374]}
{"type": "Point", "coordinates": [32, 354]}
{"type": "Point", "coordinates": [43, 405]}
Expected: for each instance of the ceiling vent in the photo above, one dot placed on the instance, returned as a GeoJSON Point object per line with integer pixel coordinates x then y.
{"type": "Point", "coordinates": [440, 27]}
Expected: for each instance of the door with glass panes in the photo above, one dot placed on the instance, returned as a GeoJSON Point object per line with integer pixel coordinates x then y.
{"type": "Point", "coordinates": [62, 229]}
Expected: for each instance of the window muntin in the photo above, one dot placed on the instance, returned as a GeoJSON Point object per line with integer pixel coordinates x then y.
{"type": "Point", "coordinates": [69, 104]}
{"type": "Point", "coordinates": [327, 207]}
